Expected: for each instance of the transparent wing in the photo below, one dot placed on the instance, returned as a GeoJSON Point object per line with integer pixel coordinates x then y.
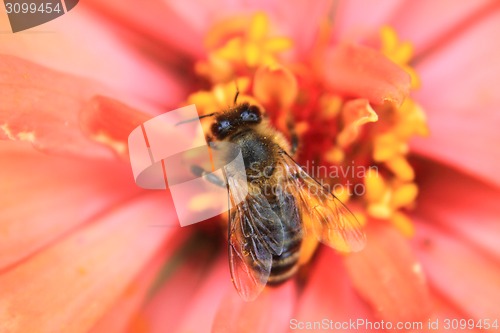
{"type": "Point", "coordinates": [255, 235]}
{"type": "Point", "coordinates": [323, 213]}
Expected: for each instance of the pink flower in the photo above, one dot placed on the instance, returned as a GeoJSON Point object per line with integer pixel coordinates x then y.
{"type": "Point", "coordinates": [79, 250]}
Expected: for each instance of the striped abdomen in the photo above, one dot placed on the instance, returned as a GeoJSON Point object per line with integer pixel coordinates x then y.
{"type": "Point", "coordinates": [286, 265]}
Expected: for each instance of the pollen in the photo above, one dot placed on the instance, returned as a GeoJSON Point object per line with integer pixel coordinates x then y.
{"type": "Point", "coordinates": [387, 146]}
{"type": "Point", "coordinates": [330, 106]}
{"type": "Point", "coordinates": [403, 223]}
{"type": "Point", "coordinates": [220, 96]}
{"type": "Point", "coordinates": [399, 52]}
{"type": "Point", "coordinates": [335, 155]}
{"type": "Point", "coordinates": [375, 186]}
{"type": "Point", "coordinates": [404, 195]}
{"type": "Point", "coordinates": [118, 146]}
{"type": "Point", "coordinates": [26, 136]}
{"type": "Point", "coordinates": [307, 248]}
{"type": "Point", "coordinates": [401, 168]}
{"type": "Point", "coordinates": [21, 136]}
{"type": "Point", "coordinates": [235, 47]}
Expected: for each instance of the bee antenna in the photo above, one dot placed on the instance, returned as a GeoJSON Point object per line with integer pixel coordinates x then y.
{"type": "Point", "coordinates": [237, 92]}
{"type": "Point", "coordinates": [236, 97]}
{"type": "Point", "coordinates": [197, 118]}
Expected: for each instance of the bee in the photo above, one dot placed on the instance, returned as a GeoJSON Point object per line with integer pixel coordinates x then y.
{"type": "Point", "coordinates": [283, 205]}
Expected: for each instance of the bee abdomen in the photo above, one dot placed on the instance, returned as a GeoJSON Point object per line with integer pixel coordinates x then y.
{"type": "Point", "coordinates": [285, 265]}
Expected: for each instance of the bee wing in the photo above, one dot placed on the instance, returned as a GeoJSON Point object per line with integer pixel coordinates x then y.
{"type": "Point", "coordinates": [330, 220]}
{"type": "Point", "coordinates": [255, 235]}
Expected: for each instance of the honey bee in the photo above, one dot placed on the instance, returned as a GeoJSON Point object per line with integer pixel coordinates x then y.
{"type": "Point", "coordinates": [283, 204]}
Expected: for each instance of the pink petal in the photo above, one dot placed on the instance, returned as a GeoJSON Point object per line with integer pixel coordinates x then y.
{"type": "Point", "coordinates": [460, 94]}
{"type": "Point", "coordinates": [185, 274]}
{"type": "Point", "coordinates": [444, 20]}
{"type": "Point", "coordinates": [270, 312]}
{"type": "Point", "coordinates": [204, 305]}
{"type": "Point", "coordinates": [357, 71]}
{"type": "Point", "coordinates": [110, 122]}
{"type": "Point", "coordinates": [155, 21]}
{"type": "Point", "coordinates": [442, 310]}
{"type": "Point", "coordinates": [329, 293]}
{"type": "Point", "coordinates": [85, 45]}
{"type": "Point", "coordinates": [41, 106]}
{"type": "Point", "coordinates": [120, 317]}
{"type": "Point", "coordinates": [288, 17]}
{"type": "Point", "coordinates": [74, 282]}
{"type": "Point", "coordinates": [284, 17]}
{"type": "Point", "coordinates": [46, 196]}
{"type": "Point", "coordinates": [462, 205]}
{"type": "Point", "coordinates": [388, 277]}
{"type": "Point", "coordinates": [357, 19]}
{"type": "Point", "coordinates": [458, 272]}
{"type": "Point", "coordinates": [58, 113]}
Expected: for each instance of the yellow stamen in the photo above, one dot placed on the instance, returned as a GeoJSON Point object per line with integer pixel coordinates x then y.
{"type": "Point", "coordinates": [387, 146]}
{"type": "Point", "coordinates": [390, 144]}
{"type": "Point", "coordinates": [308, 247]}
{"type": "Point", "coordinates": [278, 44]}
{"type": "Point", "coordinates": [399, 52]}
{"type": "Point", "coordinates": [342, 193]}
{"type": "Point", "coordinates": [380, 211]}
{"type": "Point", "coordinates": [404, 195]}
{"type": "Point", "coordinates": [335, 155]}
{"type": "Point", "coordinates": [330, 106]}
{"type": "Point", "coordinates": [220, 97]}
{"type": "Point", "coordinates": [241, 47]}
{"type": "Point", "coordinates": [252, 54]}
{"type": "Point", "coordinates": [246, 49]}
{"type": "Point", "coordinates": [375, 186]}
{"type": "Point", "coordinates": [362, 219]}
{"type": "Point", "coordinates": [411, 121]}
{"type": "Point", "coordinates": [389, 39]}
{"type": "Point", "coordinates": [403, 223]}
{"type": "Point", "coordinates": [301, 127]}
{"type": "Point", "coordinates": [401, 168]}
{"type": "Point", "coordinates": [259, 27]}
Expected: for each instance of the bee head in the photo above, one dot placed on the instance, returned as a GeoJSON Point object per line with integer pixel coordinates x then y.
{"type": "Point", "coordinates": [241, 116]}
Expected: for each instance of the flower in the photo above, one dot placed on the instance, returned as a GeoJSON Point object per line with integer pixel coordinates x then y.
{"type": "Point", "coordinates": [89, 252]}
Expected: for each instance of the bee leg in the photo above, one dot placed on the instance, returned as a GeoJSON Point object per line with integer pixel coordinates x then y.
{"type": "Point", "coordinates": [200, 172]}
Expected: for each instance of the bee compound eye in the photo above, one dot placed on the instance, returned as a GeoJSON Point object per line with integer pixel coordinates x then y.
{"type": "Point", "coordinates": [224, 125]}
{"type": "Point", "coordinates": [221, 128]}
{"type": "Point", "coordinates": [251, 115]}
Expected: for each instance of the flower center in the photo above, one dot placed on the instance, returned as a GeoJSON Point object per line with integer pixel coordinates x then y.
{"type": "Point", "coordinates": [356, 146]}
